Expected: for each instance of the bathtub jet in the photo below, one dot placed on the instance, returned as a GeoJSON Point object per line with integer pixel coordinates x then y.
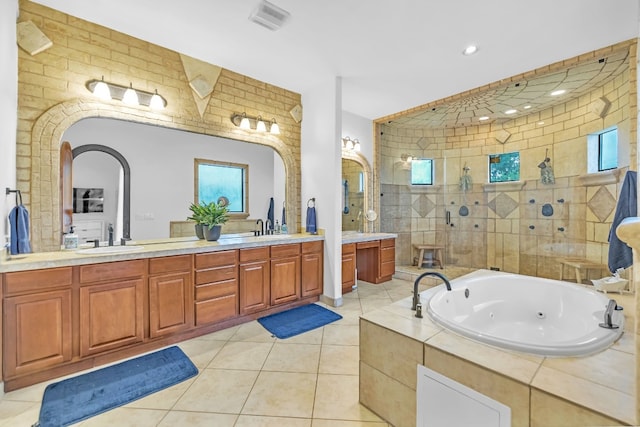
{"type": "Point", "coordinates": [533, 315]}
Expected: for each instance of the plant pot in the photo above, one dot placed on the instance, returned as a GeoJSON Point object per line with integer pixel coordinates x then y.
{"type": "Point", "coordinates": [199, 231]}
{"type": "Point", "coordinates": [211, 233]}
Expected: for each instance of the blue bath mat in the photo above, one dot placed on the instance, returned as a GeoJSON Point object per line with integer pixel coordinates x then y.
{"type": "Point", "coordinates": [298, 320]}
{"type": "Point", "coordinates": [78, 398]}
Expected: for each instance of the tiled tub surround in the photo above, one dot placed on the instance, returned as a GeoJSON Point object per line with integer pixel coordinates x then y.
{"type": "Point", "coordinates": [596, 390]}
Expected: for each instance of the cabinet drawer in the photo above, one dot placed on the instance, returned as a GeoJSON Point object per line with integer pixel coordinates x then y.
{"type": "Point", "coordinates": [388, 254]}
{"type": "Point", "coordinates": [386, 243]}
{"type": "Point", "coordinates": [216, 259]}
{"type": "Point", "coordinates": [216, 274]}
{"type": "Point", "coordinates": [37, 280]}
{"type": "Point", "coordinates": [170, 264]}
{"type": "Point", "coordinates": [254, 254]}
{"type": "Point", "coordinates": [281, 251]}
{"type": "Point", "coordinates": [111, 271]}
{"type": "Point", "coordinates": [367, 245]}
{"type": "Point", "coordinates": [216, 310]}
{"type": "Point", "coordinates": [348, 248]}
{"type": "Point", "coordinates": [309, 247]}
{"type": "Point", "coordinates": [216, 290]}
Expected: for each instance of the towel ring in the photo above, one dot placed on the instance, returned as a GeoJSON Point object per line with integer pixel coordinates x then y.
{"type": "Point", "coordinates": [18, 195]}
{"type": "Point", "coordinates": [311, 200]}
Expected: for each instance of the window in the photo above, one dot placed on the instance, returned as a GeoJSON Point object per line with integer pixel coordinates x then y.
{"type": "Point", "coordinates": [504, 167]}
{"type": "Point", "coordinates": [422, 172]}
{"type": "Point", "coordinates": [608, 150]}
{"type": "Point", "coordinates": [216, 179]}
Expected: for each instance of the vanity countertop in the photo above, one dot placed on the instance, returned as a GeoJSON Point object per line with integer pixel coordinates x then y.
{"type": "Point", "coordinates": [150, 249]}
{"type": "Point", "coordinates": [355, 237]}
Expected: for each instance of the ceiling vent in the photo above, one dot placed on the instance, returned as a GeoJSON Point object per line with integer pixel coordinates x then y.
{"type": "Point", "coordinates": [269, 15]}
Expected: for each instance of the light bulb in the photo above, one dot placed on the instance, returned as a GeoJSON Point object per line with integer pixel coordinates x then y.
{"type": "Point", "coordinates": [156, 102]}
{"type": "Point", "coordinates": [349, 144]}
{"type": "Point", "coordinates": [260, 125]}
{"type": "Point", "coordinates": [356, 145]}
{"type": "Point", "coordinates": [245, 123]}
{"type": "Point", "coordinates": [275, 129]}
{"type": "Point", "coordinates": [101, 90]}
{"type": "Point", "coordinates": [130, 96]}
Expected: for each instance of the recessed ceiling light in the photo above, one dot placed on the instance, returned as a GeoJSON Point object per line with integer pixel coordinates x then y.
{"type": "Point", "coordinates": [470, 50]}
{"type": "Point", "coordinates": [526, 107]}
{"type": "Point", "coordinates": [511, 111]}
{"type": "Point", "coordinates": [540, 123]}
{"type": "Point", "coordinates": [483, 118]}
{"type": "Point", "coordinates": [558, 92]}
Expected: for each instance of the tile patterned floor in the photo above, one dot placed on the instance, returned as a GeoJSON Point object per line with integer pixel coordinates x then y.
{"type": "Point", "coordinates": [249, 378]}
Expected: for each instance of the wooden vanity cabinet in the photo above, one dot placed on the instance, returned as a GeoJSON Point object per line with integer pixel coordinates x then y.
{"type": "Point", "coordinates": [216, 286]}
{"type": "Point", "coordinates": [170, 293]}
{"type": "Point", "coordinates": [285, 273]}
{"type": "Point", "coordinates": [312, 268]}
{"type": "Point", "coordinates": [348, 267]}
{"type": "Point", "coordinates": [37, 320]}
{"type": "Point", "coordinates": [111, 305]}
{"type": "Point", "coordinates": [254, 279]}
{"type": "Point", "coordinates": [387, 260]}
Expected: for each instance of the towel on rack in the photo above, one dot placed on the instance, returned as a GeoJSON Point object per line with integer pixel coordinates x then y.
{"type": "Point", "coordinates": [270, 214]}
{"type": "Point", "coordinates": [621, 255]}
{"type": "Point", "coordinates": [311, 220]}
{"type": "Point", "coordinates": [19, 223]}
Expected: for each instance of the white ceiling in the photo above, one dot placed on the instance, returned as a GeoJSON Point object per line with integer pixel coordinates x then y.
{"type": "Point", "coordinates": [392, 54]}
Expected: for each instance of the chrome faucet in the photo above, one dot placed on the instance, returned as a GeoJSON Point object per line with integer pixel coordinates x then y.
{"type": "Point", "coordinates": [260, 232]}
{"type": "Point", "coordinates": [608, 315]}
{"type": "Point", "coordinates": [110, 234]}
{"type": "Point", "coordinates": [416, 295]}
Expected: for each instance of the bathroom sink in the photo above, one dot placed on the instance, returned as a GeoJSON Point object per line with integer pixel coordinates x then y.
{"type": "Point", "coordinates": [110, 250]}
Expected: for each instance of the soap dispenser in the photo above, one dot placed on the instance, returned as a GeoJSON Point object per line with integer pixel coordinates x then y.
{"type": "Point", "coordinates": [70, 239]}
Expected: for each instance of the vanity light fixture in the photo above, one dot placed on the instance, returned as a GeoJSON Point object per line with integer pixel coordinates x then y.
{"type": "Point", "coordinates": [248, 122]}
{"type": "Point", "coordinates": [351, 144]}
{"type": "Point", "coordinates": [406, 158]}
{"type": "Point", "coordinates": [130, 96]}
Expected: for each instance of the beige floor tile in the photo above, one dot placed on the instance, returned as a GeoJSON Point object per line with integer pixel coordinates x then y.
{"type": "Point", "coordinates": [370, 304]}
{"type": "Point", "coordinates": [280, 394]}
{"type": "Point", "coordinates": [337, 398]}
{"type": "Point", "coordinates": [339, 359]}
{"type": "Point", "coordinates": [163, 399]}
{"type": "Point", "coordinates": [126, 417]}
{"type": "Point", "coordinates": [312, 337]}
{"type": "Point", "coordinates": [222, 335]}
{"type": "Point", "coordinates": [260, 421]}
{"type": "Point", "coordinates": [32, 393]}
{"type": "Point", "coordinates": [18, 414]}
{"type": "Point", "coordinates": [217, 390]}
{"type": "Point", "coordinates": [293, 358]}
{"type": "Point", "coordinates": [241, 355]}
{"type": "Point", "coordinates": [339, 423]}
{"type": "Point", "coordinates": [201, 351]}
{"type": "Point", "coordinates": [252, 331]}
{"type": "Point", "coordinates": [197, 419]}
{"type": "Point", "coordinates": [341, 334]}
{"type": "Point", "coordinates": [349, 304]}
{"type": "Point", "coordinates": [349, 317]}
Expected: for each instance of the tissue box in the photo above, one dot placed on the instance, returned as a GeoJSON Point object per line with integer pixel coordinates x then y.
{"type": "Point", "coordinates": [610, 284]}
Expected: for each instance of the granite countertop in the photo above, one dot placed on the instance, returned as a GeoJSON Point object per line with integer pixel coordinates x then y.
{"type": "Point", "coordinates": [355, 237]}
{"type": "Point", "coordinates": [603, 382]}
{"type": "Point", "coordinates": [149, 249]}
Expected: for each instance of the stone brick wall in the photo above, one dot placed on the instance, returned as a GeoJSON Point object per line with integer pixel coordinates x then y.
{"type": "Point", "coordinates": [52, 96]}
{"type": "Point", "coordinates": [502, 225]}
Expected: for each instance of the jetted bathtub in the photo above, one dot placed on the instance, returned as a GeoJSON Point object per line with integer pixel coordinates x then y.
{"type": "Point", "coordinates": [523, 313]}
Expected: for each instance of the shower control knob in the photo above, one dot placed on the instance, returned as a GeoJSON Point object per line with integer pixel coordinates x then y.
{"type": "Point", "coordinates": [532, 227]}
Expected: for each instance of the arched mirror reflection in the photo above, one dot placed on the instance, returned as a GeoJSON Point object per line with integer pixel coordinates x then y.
{"type": "Point", "coordinates": [162, 178]}
{"type": "Point", "coordinates": [356, 192]}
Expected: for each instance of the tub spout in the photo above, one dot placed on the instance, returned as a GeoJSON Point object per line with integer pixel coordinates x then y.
{"type": "Point", "coordinates": [416, 295]}
{"type": "Point", "coordinates": [608, 315]}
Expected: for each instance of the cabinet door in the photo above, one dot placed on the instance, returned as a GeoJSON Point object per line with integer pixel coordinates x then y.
{"type": "Point", "coordinates": [111, 316]}
{"type": "Point", "coordinates": [254, 286]}
{"type": "Point", "coordinates": [348, 271]}
{"type": "Point", "coordinates": [37, 331]}
{"type": "Point", "coordinates": [285, 279]}
{"type": "Point", "coordinates": [387, 260]}
{"type": "Point", "coordinates": [312, 274]}
{"type": "Point", "coordinates": [170, 304]}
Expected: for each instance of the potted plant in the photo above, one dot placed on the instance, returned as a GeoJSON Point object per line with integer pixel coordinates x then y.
{"type": "Point", "coordinates": [198, 213]}
{"type": "Point", "coordinates": [215, 214]}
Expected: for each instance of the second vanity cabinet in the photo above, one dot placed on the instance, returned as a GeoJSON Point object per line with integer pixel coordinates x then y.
{"type": "Point", "coordinates": [348, 267]}
{"type": "Point", "coordinates": [170, 295]}
{"type": "Point", "coordinates": [216, 286]}
{"type": "Point", "coordinates": [373, 259]}
{"type": "Point", "coordinates": [111, 305]}
{"type": "Point", "coordinates": [254, 275]}
{"type": "Point", "coordinates": [285, 273]}
{"type": "Point", "coordinates": [311, 269]}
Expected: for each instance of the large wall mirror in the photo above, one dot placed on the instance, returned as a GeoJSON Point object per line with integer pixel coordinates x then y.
{"type": "Point", "coordinates": [161, 163]}
{"type": "Point", "coordinates": [356, 192]}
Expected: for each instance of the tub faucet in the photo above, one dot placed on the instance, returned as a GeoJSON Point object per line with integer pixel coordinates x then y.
{"type": "Point", "coordinates": [260, 232]}
{"type": "Point", "coordinates": [110, 234]}
{"type": "Point", "coordinates": [416, 295]}
{"type": "Point", "coordinates": [608, 315]}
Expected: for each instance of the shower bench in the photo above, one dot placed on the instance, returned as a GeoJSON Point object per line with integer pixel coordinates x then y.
{"type": "Point", "coordinates": [580, 264]}
{"type": "Point", "coordinates": [436, 255]}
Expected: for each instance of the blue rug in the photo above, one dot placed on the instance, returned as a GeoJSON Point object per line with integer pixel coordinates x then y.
{"type": "Point", "coordinates": [78, 398]}
{"type": "Point", "coordinates": [298, 320]}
